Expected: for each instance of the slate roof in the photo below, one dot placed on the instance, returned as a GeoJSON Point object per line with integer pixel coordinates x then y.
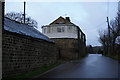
{"type": "Point", "coordinates": [24, 29]}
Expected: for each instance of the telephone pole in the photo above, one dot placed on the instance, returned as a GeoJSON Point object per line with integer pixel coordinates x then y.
{"type": "Point", "coordinates": [109, 41]}
{"type": "Point", "coordinates": [119, 14]}
{"type": "Point", "coordinates": [24, 11]}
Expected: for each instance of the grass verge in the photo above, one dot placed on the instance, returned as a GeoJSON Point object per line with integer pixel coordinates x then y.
{"type": "Point", "coordinates": [113, 57]}
{"type": "Point", "coordinates": [31, 74]}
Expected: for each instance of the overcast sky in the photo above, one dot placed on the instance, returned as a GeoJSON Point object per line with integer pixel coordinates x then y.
{"type": "Point", "coordinates": [90, 16]}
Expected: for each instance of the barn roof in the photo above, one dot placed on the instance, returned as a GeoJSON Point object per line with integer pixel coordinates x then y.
{"type": "Point", "coordinates": [24, 29]}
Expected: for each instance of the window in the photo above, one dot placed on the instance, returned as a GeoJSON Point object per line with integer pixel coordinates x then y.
{"type": "Point", "coordinates": [58, 29]}
{"type": "Point", "coordinates": [44, 30]}
{"type": "Point", "coordinates": [51, 29]}
{"type": "Point", "coordinates": [48, 29]}
{"type": "Point", "coordinates": [80, 36]}
{"type": "Point", "coordinates": [63, 29]}
{"type": "Point", "coordinates": [75, 30]}
{"type": "Point", "coordinates": [69, 29]}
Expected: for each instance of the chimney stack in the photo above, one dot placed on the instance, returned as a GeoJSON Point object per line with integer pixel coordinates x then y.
{"type": "Point", "coordinates": [68, 19]}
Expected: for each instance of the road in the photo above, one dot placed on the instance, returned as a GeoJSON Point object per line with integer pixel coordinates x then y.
{"type": "Point", "coordinates": [93, 66]}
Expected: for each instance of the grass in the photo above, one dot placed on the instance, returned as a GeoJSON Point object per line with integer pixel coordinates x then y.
{"type": "Point", "coordinates": [31, 74]}
{"type": "Point", "coordinates": [113, 57]}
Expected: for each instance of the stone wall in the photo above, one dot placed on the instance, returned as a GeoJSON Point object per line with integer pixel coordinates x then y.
{"type": "Point", "coordinates": [82, 48]}
{"type": "Point", "coordinates": [69, 48]}
{"type": "Point", "coordinates": [1, 24]}
{"type": "Point", "coordinates": [22, 53]}
{"type": "Point", "coordinates": [0, 39]}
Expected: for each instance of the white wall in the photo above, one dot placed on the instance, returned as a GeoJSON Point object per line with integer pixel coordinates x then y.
{"type": "Point", "coordinates": [61, 35]}
{"type": "Point", "coordinates": [66, 34]}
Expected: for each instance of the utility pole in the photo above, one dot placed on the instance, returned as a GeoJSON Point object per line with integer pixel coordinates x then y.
{"type": "Point", "coordinates": [109, 41]}
{"type": "Point", "coordinates": [24, 11]}
{"type": "Point", "coordinates": [119, 15]}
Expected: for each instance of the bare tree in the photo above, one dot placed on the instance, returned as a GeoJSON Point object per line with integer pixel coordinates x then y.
{"type": "Point", "coordinates": [104, 40]}
{"type": "Point", "coordinates": [19, 17]}
{"type": "Point", "coordinates": [115, 32]}
{"type": "Point", "coordinates": [114, 36]}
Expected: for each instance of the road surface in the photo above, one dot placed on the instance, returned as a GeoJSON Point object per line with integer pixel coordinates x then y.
{"type": "Point", "coordinates": [93, 66]}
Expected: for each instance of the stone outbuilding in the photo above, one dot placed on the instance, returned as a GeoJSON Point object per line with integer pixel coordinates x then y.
{"type": "Point", "coordinates": [69, 37]}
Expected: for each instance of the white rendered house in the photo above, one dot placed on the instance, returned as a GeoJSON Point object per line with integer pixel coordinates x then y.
{"type": "Point", "coordinates": [62, 28]}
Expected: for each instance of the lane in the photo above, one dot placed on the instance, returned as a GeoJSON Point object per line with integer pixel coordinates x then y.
{"type": "Point", "coordinates": [93, 66]}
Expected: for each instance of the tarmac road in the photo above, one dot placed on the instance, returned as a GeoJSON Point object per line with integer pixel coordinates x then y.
{"type": "Point", "coordinates": [93, 66]}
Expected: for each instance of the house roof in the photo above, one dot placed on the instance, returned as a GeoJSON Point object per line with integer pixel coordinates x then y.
{"type": "Point", "coordinates": [13, 26]}
{"type": "Point", "coordinates": [60, 21]}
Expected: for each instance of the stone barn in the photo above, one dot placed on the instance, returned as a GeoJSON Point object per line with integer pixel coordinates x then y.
{"type": "Point", "coordinates": [69, 38]}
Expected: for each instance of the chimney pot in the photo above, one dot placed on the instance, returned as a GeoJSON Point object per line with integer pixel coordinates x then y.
{"type": "Point", "coordinates": [68, 19]}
